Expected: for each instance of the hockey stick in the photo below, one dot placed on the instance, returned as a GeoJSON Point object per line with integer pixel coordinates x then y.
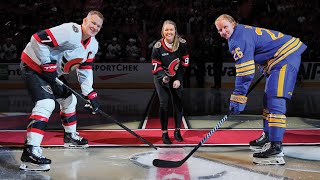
{"type": "Point", "coordinates": [174, 164]}
{"type": "Point", "coordinates": [107, 115]}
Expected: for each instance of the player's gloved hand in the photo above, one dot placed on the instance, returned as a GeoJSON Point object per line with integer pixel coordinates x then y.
{"type": "Point", "coordinates": [93, 105]}
{"type": "Point", "coordinates": [237, 103]}
{"type": "Point", "coordinates": [49, 72]}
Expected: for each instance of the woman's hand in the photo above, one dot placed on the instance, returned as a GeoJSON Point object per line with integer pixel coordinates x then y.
{"type": "Point", "coordinates": [176, 84]}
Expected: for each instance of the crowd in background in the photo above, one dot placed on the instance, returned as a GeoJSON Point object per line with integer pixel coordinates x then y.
{"type": "Point", "coordinates": [133, 26]}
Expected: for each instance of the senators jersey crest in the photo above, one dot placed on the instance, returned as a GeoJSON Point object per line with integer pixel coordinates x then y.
{"type": "Point", "coordinates": [173, 67]}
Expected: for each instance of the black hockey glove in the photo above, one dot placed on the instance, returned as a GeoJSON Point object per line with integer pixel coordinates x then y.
{"type": "Point", "coordinates": [93, 104]}
{"type": "Point", "coordinates": [49, 72]}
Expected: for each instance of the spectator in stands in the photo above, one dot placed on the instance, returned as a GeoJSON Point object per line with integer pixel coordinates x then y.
{"type": "Point", "coordinates": [132, 50]}
{"type": "Point", "coordinates": [113, 49]}
{"type": "Point", "coordinates": [10, 51]}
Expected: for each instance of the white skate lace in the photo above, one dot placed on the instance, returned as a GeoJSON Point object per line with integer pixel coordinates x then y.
{"type": "Point", "coordinates": [75, 136]}
{"type": "Point", "coordinates": [37, 151]}
{"type": "Point", "coordinates": [266, 146]}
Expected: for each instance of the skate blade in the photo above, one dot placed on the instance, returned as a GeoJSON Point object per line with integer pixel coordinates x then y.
{"type": "Point", "coordinates": [34, 167]}
{"type": "Point", "coordinates": [72, 146]}
{"type": "Point", "coordinates": [269, 161]}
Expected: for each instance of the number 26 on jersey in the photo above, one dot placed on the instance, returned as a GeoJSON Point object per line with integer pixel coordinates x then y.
{"type": "Point", "coordinates": [237, 53]}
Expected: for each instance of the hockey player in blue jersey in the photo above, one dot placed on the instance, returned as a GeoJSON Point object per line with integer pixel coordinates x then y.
{"type": "Point", "coordinates": [279, 58]}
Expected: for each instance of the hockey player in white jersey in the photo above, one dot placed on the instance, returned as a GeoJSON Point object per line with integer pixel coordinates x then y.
{"type": "Point", "coordinates": [50, 54]}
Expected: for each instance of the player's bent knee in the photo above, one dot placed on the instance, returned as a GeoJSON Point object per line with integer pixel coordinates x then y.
{"type": "Point", "coordinates": [44, 107]}
{"type": "Point", "coordinates": [277, 105]}
{"type": "Point", "coordinates": [69, 104]}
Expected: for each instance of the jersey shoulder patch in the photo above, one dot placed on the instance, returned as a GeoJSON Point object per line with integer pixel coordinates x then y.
{"type": "Point", "coordinates": [157, 44]}
{"type": "Point", "coordinates": [182, 40]}
{"type": "Point", "coordinates": [75, 28]}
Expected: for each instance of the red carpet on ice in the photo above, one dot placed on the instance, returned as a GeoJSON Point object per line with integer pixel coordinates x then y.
{"type": "Point", "coordinates": [191, 137]}
{"type": "Point", "coordinates": [154, 123]}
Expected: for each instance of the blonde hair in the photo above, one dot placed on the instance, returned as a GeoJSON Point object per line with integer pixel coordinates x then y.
{"type": "Point", "coordinates": [176, 41]}
{"type": "Point", "coordinates": [94, 12]}
{"type": "Point", "coordinates": [226, 17]}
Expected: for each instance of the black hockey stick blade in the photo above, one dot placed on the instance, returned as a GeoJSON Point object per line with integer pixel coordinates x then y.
{"type": "Point", "coordinates": [174, 164]}
{"type": "Point", "coordinates": [167, 164]}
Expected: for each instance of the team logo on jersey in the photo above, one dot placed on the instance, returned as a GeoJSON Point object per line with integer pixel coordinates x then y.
{"type": "Point", "coordinates": [157, 45]}
{"type": "Point", "coordinates": [47, 88]}
{"type": "Point", "coordinates": [182, 40]}
{"type": "Point", "coordinates": [75, 29]}
{"type": "Point", "coordinates": [70, 65]}
{"type": "Point", "coordinates": [173, 67]}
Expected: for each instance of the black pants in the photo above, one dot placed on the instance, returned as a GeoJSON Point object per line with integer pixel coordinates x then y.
{"type": "Point", "coordinates": [36, 85]}
{"type": "Point", "coordinates": [165, 91]}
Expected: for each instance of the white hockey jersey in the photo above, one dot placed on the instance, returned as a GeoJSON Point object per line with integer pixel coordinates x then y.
{"type": "Point", "coordinates": [63, 44]}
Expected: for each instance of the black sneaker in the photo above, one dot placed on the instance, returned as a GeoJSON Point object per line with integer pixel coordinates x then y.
{"type": "Point", "coordinates": [257, 144]}
{"type": "Point", "coordinates": [177, 135]}
{"type": "Point", "coordinates": [165, 138]}
{"type": "Point", "coordinates": [73, 140]}
{"type": "Point", "coordinates": [33, 160]}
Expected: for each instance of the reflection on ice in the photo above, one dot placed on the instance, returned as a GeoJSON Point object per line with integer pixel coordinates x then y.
{"type": "Point", "coordinates": [136, 163]}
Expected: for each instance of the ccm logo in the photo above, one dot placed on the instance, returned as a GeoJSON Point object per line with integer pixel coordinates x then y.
{"type": "Point", "coordinates": [92, 95]}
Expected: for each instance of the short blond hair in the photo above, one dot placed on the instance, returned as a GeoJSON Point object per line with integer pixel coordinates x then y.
{"type": "Point", "coordinates": [225, 17]}
{"type": "Point", "coordinates": [94, 12]}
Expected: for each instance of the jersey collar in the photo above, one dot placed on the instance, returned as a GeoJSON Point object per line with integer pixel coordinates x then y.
{"type": "Point", "coordinates": [164, 45]}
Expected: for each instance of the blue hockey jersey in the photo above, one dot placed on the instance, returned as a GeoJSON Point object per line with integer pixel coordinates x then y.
{"type": "Point", "coordinates": [267, 48]}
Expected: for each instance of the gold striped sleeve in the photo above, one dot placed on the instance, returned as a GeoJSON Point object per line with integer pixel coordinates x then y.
{"type": "Point", "coordinates": [250, 62]}
{"type": "Point", "coordinates": [245, 68]}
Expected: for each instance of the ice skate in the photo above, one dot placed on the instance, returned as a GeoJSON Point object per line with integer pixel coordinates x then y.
{"type": "Point", "coordinates": [32, 159]}
{"type": "Point", "coordinates": [73, 140]}
{"type": "Point", "coordinates": [271, 154]}
{"type": "Point", "coordinates": [177, 135]}
{"type": "Point", "coordinates": [257, 144]}
{"type": "Point", "coordinates": [165, 138]}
